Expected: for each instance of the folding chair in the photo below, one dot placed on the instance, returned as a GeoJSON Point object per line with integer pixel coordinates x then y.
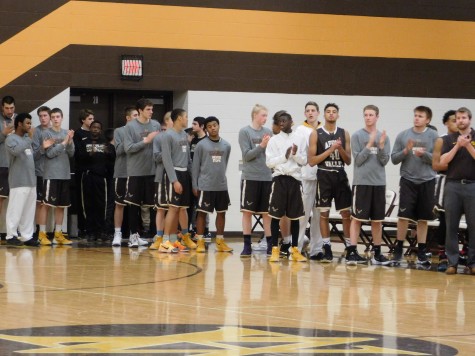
{"type": "Point", "coordinates": [388, 220]}
{"type": "Point", "coordinates": [258, 222]}
{"type": "Point", "coordinates": [365, 234]}
{"type": "Point", "coordinates": [334, 220]}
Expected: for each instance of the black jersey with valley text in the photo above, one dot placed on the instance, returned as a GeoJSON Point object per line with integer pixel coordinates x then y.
{"type": "Point", "coordinates": [324, 142]}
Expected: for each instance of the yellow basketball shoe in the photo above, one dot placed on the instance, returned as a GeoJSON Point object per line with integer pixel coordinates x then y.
{"type": "Point", "coordinates": [59, 239]}
{"type": "Point", "coordinates": [156, 244]}
{"type": "Point", "coordinates": [295, 255]}
{"type": "Point", "coordinates": [43, 239]}
{"type": "Point", "coordinates": [222, 247]}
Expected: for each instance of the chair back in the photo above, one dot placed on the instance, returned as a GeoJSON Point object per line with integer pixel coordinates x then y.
{"type": "Point", "coordinates": [390, 202]}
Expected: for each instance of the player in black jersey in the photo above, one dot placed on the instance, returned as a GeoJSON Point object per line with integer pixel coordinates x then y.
{"type": "Point", "coordinates": [329, 148]}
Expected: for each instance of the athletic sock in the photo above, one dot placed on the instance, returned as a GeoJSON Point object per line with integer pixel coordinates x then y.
{"type": "Point", "coordinates": [421, 247]}
{"type": "Point", "coordinates": [269, 240]}
{"type": "Point", "coordinates": [247, 239]}
{"type": "Point", "coordinates": [326, 241]}
{"type": "Point", "coordinates": [377, 250]}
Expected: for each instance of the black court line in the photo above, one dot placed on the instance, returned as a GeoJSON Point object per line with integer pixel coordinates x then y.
{"type": "Point", "coordinates": [197, 271]}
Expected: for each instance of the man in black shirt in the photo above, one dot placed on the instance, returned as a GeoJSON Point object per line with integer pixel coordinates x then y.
{"type": "Point", "coordinates": [456, 153]}
{"type": "Point", "coordinates": [96, 155]}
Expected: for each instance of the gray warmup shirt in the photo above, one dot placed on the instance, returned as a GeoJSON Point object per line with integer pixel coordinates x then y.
{"type": "Point", "coordinates": [22, 164]}
{"type": "Point", "coordinates": [157, 157]}
{"type": "Point", "coordinates": [139, 154]}
{"type": "Point", "coordinates": [413, 168]}
{"type": "Point", "coordinates": [254, 156]}
{"type": "Point", "coordinates": [39, 153]}
{"type": "Point", "coordinates": [209, 165]}
{"type": "Point", "coordinates": [3, 153]}
{"type": "Point", "coordinates": [369, 163]}
{"type": "Point", "coordinates": [175, 152]}
{"type": "Point", "coordinates": [120, 165]}
{"type": "Point", "coordinates": [57, 156]}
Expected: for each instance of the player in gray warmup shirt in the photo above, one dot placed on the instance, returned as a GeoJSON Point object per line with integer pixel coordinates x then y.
{"type": "Point", "coordinates": [371, 150]}
{"type": "Point", "coordinates": [256, 177]}
{"type": "Point", "coordinates": [413, 149]}
{"type": "Point", "coordinates": [20, 215]}
{"type": "Point", "coordinates": [120, 175]}
{"type": "Point", "coordinates": [210, 185]}
{"type": "Point", "coordinates": [7, 115]}
{"type": "Point", "coordinates": [39, 146]}
{"type": "Point", "coordinates": [138, 138]}
{"type": "Point", "coordinates": [38, 138]}
{"type": "Point", "coordinates": [161, 204]}
{"type": "Point", "coordinates": [177, 164]}
{"type": "Point", "coordinates": [56, 176]}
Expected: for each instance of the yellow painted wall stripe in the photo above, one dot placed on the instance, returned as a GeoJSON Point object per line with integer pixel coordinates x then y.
{"type": "Point", "coordinates": [172, 27]}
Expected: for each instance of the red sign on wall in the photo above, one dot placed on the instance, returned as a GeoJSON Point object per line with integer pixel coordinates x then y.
{"type": "Point", "coordinates": [131, 67]}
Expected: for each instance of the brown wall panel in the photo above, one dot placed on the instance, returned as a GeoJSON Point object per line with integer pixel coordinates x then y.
{"type": "Point", "coordinates": [98, 67]}
{"type": "Point", "coordinates": [210, 29]}
{"type": "Point", "coordinates": [463, 10]}
{"type": "Point", "coordinates": [345, 73]}
{"type": "Point", "coordinates": [15, 15]}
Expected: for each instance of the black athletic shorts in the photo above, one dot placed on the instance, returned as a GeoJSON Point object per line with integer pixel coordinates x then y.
{"type": "Point", "coordinates": [120, 189]}
{"type": "Point", "coordinates": [178, 200]}
{"type": "Point", "coordinates": [255, 196]}
{"type": "Point", "coordinates": [369, 202]}
{"type": "Point", "coordinates": [140, 191]}
{"type": "Point", "coordinates": [208, 202]}
{"type": "Point", "coordinates": [57, 193]}
{"type": "Point", "coordinates": [4, 186]}
{"type": "Point", "coordinates": [332, 185]}
{"type": "Point", "coordinates": [39, 189]}
{"type": "Point", "coordinates": [286, 198]}
{"type": "Point", "coordinates": [160, 196]}
{"type": "Point", "coordinates": [416, 201]}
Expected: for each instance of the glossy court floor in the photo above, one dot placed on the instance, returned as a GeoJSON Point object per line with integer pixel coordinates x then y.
{"type": "Point", "coordinates": [64, 300]}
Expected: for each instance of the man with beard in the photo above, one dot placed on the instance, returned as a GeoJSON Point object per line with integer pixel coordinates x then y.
{"type": "Point", "coordinates": [456, 152]}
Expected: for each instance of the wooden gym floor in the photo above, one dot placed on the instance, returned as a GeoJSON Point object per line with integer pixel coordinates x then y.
{"type": "Point", "coordinates": [69, 300]}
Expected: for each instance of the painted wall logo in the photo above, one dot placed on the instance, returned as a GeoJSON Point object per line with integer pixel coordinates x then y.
{"type": "Point", "coordinates": [207, 340]}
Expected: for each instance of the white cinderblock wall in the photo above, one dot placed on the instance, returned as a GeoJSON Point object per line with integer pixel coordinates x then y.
{"type": "Point", "coordinates": [234, 111]}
